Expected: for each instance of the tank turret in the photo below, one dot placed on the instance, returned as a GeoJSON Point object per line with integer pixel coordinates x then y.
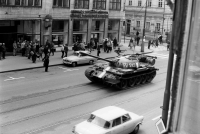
{"type": "Point", "coordinates": [123, 71]}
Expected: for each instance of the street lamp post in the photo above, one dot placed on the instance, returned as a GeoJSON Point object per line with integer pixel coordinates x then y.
{"type": "Point", "coordinates": [143, 35]}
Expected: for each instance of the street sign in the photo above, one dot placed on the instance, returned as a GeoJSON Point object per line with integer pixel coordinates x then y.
{"type": "Point", "coordinates": [160, 126]}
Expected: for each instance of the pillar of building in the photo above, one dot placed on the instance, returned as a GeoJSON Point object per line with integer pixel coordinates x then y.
{"type": "Point", "coordinates": [89, 29]}
{"type": "Point", "coordinates": [65, 34]}
{"type": "Point", "coordinates": [106, 28]}
{"type": "Point", "coordinates": [70, 40]}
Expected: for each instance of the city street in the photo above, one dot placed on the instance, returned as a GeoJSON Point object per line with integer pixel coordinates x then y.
{"type": "Point", "coordinates": [35, 102]}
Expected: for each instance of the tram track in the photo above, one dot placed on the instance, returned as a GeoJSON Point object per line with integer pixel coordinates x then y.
{"type": "Point", "coordinates": [50, 92]}
{"type": "Point", "coordinates": [78, 104]}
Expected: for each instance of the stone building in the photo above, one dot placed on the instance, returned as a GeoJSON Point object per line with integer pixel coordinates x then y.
{"type": "Point", "coordinates": [158, 17]}
{"type": "Point", "coordinates": [60, 21]}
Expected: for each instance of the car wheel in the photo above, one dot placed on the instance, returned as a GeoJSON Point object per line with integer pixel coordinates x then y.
{"type": "Point", "coordinates": [74, 64]}
{"type": "Point", "coordinates": [91, 62]}
{"type": "Point", "coordinates": [135, 131]}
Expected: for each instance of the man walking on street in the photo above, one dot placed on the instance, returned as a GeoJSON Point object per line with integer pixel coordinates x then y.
{"type": "Point", "coordinates": [66, 49]}
{"type": "Point", "coordinates": [46, 62]}
{"type": "Point", "coordinates": [14, 48]}
{"type": "Point", "coordinates": [98, 49]}
{"type": "Point", "coordinates": [115, 43]}
{"type": "Point", "coordinates": [3, 51]}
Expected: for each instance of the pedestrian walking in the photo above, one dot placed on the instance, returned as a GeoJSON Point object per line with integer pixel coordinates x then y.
{"type": "Point", "coordinates": [138, 40]}
{"type": "Point", "coordinates": [46, 62]}
{"type": "Point", "coordinates": [46, 50]}
{"type": "Point", "coordinates": [131, 43]}
{"type": "Point", "coordinates": [98, 49]}
{"type": "Point", "coordinates": [14, 48]}
{"type": "Point", "coordinates": [156, 42]}
{"type": "Point", "coordinates": [115, 43]}
{"type": "Point", "coordinates": [23, 48]}
{"type": "Point", "coordinates": [34, 57]}
{"type": "Point", "coordinates": [109, 46]}
{"type": "Point", "coordinates": [41, 49]}
{"type": "Point", "coordinates": [52, 49]}
{"type": "Point", "coordinates": [149, 44]}
{"type": "Point", "coordinates": [105, 45]}
{"type": "Point", "coordinates": [62, 51]}
{"type": "Point", "coordinates": [66, 49]}
{"type": "Point", "coordinates": [3, 50]}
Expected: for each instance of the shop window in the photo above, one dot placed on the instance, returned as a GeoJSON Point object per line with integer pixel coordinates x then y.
{"type": "Point", "coordinates": [97, 25]}
{"type": "Point", "coordinates": [57, 26]}
{"type": "Point", "coordinates": [30, 3]}
{"type": "Point", "coordinates": [81, 4]}
{"type": "Point", "coordinates": [79, 25]}
{"type": "Point", "coordinates": [57, 39]}
{"type": "Point", "coordinates": [160, 3]}
{"type": "Point", "coordinates": [99, 4]}
{"type": "Point", "coordinates": [61, 3]}
{"type": "Point", "coordinates": [139, 3]}
{"type": "Point", "coordinates": [115, 5]}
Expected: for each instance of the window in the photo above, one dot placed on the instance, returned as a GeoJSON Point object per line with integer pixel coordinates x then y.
{"type": "Point", "coordinates": [81, 4]}
{"type": "Point", "coordinates": [110, 25]}
{"type": "Point", "coordinates": [61, 3]}
{"type": "Point", "coordinates": [116, 122]}
{"type": "Point", "coordinates": [148, 25]}
{"type": "Point", "coordinates": [98, 121]}
{"type": "Point", "coordinates": [130, 2]}
{"type": "Point", "coordinates": [32, 3]}
{"type": "Point", "coordinates": [160, 3]}
{"type": "Point", "coordinates": [139, 3]}
{"type": "Point", "coordinates": [115, 5]}
{"type": "Point", "coordinates": [149, 2]}
{"type": "Point", "coordinates": [138, 24]}
{"type": "Point", "coordinates": [99, 4]}
{"type": "Point", "coordinates": [157, 26]}
{"type": "Point", "coordinates": [126, 118]}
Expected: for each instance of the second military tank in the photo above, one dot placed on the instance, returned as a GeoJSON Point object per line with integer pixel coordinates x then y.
{"type": "Point", "coordinates": [123, 71]}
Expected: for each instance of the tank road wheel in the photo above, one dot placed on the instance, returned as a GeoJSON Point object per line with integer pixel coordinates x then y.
{"type": "Point", "coordinates": [143, 79]}
{"type": "Point", "coordinates": [152, 75]}
{"type": "Point", "coordinates": [131, 82]}
{"type": "Point", "coordinates": [88, 74]}
{"type": "Point", "coordinates": [122, 84]}
{"type": "Point", "coordinates": [138, 80]}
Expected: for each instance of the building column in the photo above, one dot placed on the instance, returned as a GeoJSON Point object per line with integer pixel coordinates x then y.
{"type": "Point", "coordinates": [66, 32]}
{"type": "Point", "coordinates": [89, 30]}
{"type": "Point", "coordinates": [70, 32]}
{"type": "Point", "coordinates": [106, 28]}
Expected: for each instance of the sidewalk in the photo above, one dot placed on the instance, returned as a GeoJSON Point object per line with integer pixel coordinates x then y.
{"type": "Point", "coordinates": [17, 63]}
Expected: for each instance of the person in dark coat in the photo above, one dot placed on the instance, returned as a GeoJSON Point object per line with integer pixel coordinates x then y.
{"type": "Point", "coordinates": [3, 51]}
{"type": "Point", "coordinates": [149, 44]}
{"type": "Point", "coordinates": [105, 45]}
{"type": "Point", "coordinates": [66, 49]}
{"type": "Point", "coordinates": [46, 62]}
{"type": "Point", "coordinates": [115, 43]}
{"type": "Point", "coordinates": [46, 50]}
{"type": "Point", "coordinates": [98, 49]}
{"type": "Point", "coordinates": [34, 56]}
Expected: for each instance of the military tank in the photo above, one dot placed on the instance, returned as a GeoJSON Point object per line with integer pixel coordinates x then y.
{"type": "Point", "coordinates": [123, 71]}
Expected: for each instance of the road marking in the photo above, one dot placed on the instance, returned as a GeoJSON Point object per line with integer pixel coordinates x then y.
{"type": "Point", "coordinates": [12, 78]}
{"type": "Point", "coordinates": [62, 67]}
{"type": "Point", "coordinates": [70, 70]}
{"type": "Point", "coordinates": [156, 117]}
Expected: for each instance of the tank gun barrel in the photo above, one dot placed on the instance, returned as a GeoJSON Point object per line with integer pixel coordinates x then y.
{"type": "Point", "coordinates": [147, 55]}
{"type": "Point", "coordinates": [97, 57]}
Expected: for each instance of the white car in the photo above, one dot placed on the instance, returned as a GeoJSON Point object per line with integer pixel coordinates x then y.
{"type": "Point", "coordinates": [79, 58]}
{"type": "Point", "coordinates": [110, 120]}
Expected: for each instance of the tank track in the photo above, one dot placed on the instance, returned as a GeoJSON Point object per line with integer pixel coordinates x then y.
{"type": "Point", "coordinates": [125, 82]}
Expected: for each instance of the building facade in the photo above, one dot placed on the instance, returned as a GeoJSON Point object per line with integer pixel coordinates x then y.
{"type": "Point", "coordinates": [158, 17]}
{"type": "Point", "coordinates": [60, 21]}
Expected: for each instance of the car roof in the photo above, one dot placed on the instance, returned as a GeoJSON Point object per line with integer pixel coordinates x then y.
{"type": "Point", "coordinates": [82, 51]}
{"type": "Point", "coordinates": [109, 113]}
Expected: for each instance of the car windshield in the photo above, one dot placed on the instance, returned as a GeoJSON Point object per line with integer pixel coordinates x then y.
{"type": "Point", "coordinates": [98, 121]}
{"type": "Point", "coordinates": [76, 54]}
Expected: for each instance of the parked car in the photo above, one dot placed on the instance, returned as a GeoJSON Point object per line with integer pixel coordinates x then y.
{"type": "Point", "coordinates": [79, 58]}
{"type": "Point", "coordinates": [110, 120]}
